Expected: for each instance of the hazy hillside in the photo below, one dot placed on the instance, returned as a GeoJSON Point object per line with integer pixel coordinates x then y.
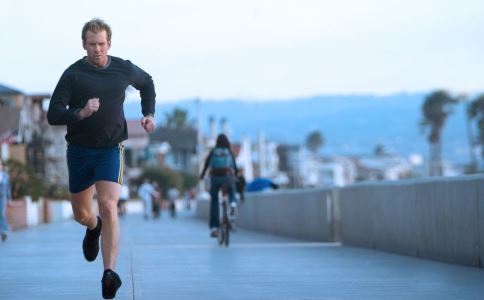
{"type": "Point", "coordinates": [350, 124]}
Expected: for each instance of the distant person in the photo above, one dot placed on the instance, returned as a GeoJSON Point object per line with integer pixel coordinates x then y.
{"type": "Point", "coordinates": [261, 184]}
{"type": "Point", "coordinates": [156, 200]}
{"type": "Point", "coordinates": [240, 185]}
{"type": "Point", "coordinates": [146, 192]}
{"type": "Point", "coordinates": [190, 196]}
{"type": "Point", "coordinates": [173, 194]}
{"type": "Point", "coordinates": [223, 169]}
{"type": "Point", "coordinates": [123, 199]}
{"type": "Point", "coordinates": [5, 199]}
{"type": "Point", "coordinates": [89, 99]}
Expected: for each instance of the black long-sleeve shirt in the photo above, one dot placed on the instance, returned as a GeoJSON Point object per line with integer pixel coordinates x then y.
{"type": "Point", "coordinates": [82, 81]}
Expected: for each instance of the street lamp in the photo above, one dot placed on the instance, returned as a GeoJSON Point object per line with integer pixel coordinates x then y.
{"type": "Point", "coordinates": [472, 153]}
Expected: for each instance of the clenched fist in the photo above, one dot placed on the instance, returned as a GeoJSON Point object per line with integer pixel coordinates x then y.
{"type": "Point", "coordinates": [148, 123]}
{"type": "Point", "coordinates": [91, 107]}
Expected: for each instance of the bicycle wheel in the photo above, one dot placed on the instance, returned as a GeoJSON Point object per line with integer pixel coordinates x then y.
{"type": "Point", "coordinates": [227, 233]}
{"type": "Point", "coordinates": [221, 233]}
{"type": "Point", "coordinates": [221, 236]}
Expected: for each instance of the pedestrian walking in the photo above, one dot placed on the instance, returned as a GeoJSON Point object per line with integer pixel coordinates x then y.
{"type": "Point", "coordinates": [146, 192]}
{"type": "Point", "coordinates": [123, 199]}
{"type": "Point", "coordinates": [5, 199]}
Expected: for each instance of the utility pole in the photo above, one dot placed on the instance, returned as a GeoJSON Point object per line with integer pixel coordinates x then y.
{"type": "Point", "coordinates": [470, 137]}
{"type": "Point", "coordinates": [200, 146]}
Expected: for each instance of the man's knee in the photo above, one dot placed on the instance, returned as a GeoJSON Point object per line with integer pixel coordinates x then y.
{"type": "Point", "coordinates": [108, 207]}
{"type": "Point", "coordinates": [82, 217]}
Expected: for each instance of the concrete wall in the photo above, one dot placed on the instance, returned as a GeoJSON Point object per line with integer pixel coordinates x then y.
{"type": "Point", "coordinates": [305, 214]}
{"type": "Point", "coordinates": [381, 216]}
{"type": "Point", "coordinates": [440, 219]}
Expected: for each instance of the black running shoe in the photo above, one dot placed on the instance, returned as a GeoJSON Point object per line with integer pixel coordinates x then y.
{"type": "Point", "coordinates": [110, 284]}
{"type": "Point", "coordinates": [90, 244]}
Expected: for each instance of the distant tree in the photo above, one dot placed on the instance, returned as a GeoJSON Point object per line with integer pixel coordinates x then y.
{"type": "Point", "coordinates": [189, 181]}
{"type": "Point", "coordinates": [178, 118]}
{"type": "Point", "coordinates": [435, 109]}
{"type": "Point", "coordinates": [165, 177]}
{"type": "Point", "coordinates": [476, 112]}
{"type": "Point", "coordinates": [314, 141]}
{"type": "Point", "coordinates": [379, 150]}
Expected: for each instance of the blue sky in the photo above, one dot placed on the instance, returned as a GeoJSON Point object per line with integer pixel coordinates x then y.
{"type": "Point", "coordinates": [256, 49]}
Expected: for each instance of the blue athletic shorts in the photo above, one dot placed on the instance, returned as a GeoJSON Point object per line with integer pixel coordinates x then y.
{"type": "Point", "coordinates": [87, 165]}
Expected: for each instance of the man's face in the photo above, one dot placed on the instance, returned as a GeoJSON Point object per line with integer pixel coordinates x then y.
{"type": "Point", "coordinates": [97, 46]}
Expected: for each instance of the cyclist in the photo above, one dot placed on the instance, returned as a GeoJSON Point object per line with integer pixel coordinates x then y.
{"type": "Point", "coordinates": [222, 174]}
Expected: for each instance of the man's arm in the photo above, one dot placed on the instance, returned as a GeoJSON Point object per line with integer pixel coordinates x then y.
{"type": "Point", "coordinates": [58, 113]}
{"type": "Point", "coordinates": [143, 82]}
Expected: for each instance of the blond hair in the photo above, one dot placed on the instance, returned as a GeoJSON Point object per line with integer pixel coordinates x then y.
{"type": "Point", "coordinates": [96, 25]}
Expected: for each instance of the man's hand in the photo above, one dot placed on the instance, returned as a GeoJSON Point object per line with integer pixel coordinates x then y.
{"type": "Point", "coordinates": [91, 107]}
{"type": "Point", "coordinates": [148, 123]}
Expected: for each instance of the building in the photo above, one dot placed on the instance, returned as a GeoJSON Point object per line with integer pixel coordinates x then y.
{"type": "Point", "coordinates": [135, 147]}
{"type": "Point", "coordinates": [11, 103]}
{"type": "Point", "coordinates": [383, 167]}
{"type": "Point", "coordinates": [291, 162]}
{"type": "Point", "coordinates": [176, 148]}
{"type": "Point", "coordinates": [28, 138]}
{"type": "Point", "coordinates": [337, 171]}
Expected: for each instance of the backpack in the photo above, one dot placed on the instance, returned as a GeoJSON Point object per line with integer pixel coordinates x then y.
{"type": "Point", "coordinates": [221, 159]}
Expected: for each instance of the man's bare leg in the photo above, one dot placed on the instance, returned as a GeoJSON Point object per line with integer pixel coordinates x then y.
{"type": "Point", "coordinates": [82, 207]}
{"type": "Point", "coordinates": [107, 197]}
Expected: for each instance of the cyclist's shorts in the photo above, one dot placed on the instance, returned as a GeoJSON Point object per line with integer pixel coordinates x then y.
{"type": "Point", "coordinates": [87, 165]}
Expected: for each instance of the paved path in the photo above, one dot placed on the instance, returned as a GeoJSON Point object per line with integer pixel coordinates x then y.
{"type": "Point", "coordinates": [175, 259]}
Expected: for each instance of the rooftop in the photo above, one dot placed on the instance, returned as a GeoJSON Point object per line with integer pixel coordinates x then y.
{"type": "Point", "coordinates": [6, 90]}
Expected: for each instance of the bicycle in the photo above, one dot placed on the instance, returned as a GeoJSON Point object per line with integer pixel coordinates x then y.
{"type": "Point", "coordinates": [225, 220]}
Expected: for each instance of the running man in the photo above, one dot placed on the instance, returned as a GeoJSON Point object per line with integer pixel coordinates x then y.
{"type": "Point", "coordinates": [89, 99]}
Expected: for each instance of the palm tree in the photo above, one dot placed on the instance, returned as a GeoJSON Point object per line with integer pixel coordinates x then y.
{"type": "Point", "coordinates": [314, 141]}
{"type": "Point", "coordinates": [476, 111]}
{"type": "Point", "coordinates": [177, 119]}
{"type": "Point", "coordinates": [379, 150]}
{"type": "Point", "coordinates": [435, 109]}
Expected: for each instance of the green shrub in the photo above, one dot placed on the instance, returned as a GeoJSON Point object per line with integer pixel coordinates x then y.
{"type": "Point", "coordinates": [189, 181]}
{"type": "Point", "coordinates": [165, 177]}
{"type": "Point", "coordinates": [23, 181]}
{"type": "Point", "coordinates": [56, 192]}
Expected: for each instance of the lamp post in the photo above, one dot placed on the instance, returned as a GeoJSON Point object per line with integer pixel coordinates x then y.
{"type": "Point", "coordinates": [199, 148]}
{"type": "Point", "coordinates": [472, 153]}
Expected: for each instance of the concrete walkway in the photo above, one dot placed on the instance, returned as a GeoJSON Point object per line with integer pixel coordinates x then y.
{"type": "Point", "coordinates": [175, 259]}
